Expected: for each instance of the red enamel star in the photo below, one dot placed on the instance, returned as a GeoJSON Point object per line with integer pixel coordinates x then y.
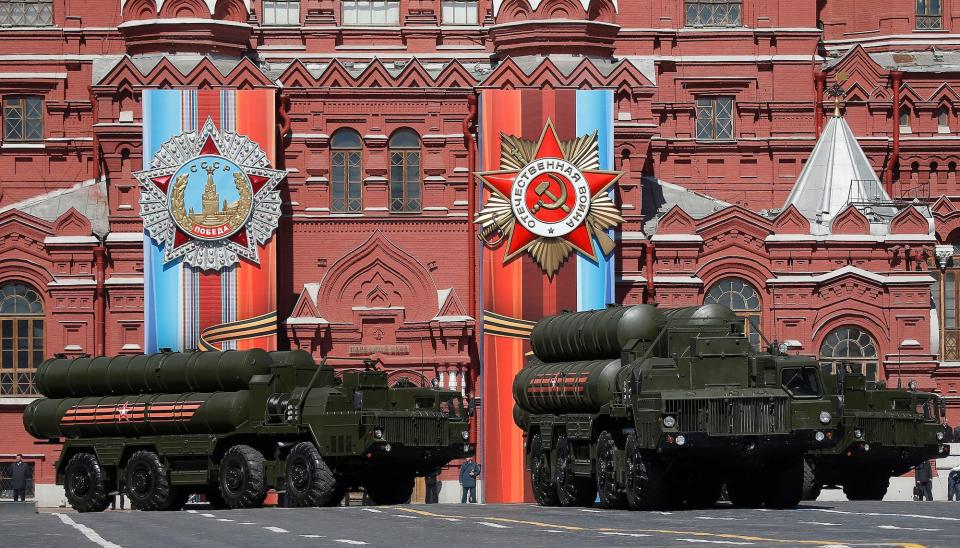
{"type": "Point", "coordinates": [528, 196]}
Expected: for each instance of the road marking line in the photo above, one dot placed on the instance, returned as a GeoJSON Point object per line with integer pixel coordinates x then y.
{"type": "Point", "coordinates": [704, 541]}
{"type": "Point", "coordinates": [551, 531]}
{"type": "Point", "coordinates": [403, 516]}
{"type": "Point", "coordinates": [879, 514]}
{"type": "Point", "coordinates": [906, 528]}
{"type": "Point", "coordinates": [191, 511]}
{"type": "Point", "coordinates": [312, 536]}
{"type": "Point", "coordinates": [276, 529]}
{"type": "Point", "coordinates": [374, 510]}
{"type": "Point", "coordinates": [224, 519]}
{"type": "Point", "coordinates": [348, 541]}
{"type": "Point", "coordinates": [721, 518]}
{"type": "Point", "coordinates": [824, 523]}
{"type": "Point", "coordinates": [590, 510]}
{"type": "Point", "coordinates": [246, 523]}
{"type": "Point", "coordinates": [91, 535]}
{"type": "Point", "coordinates": [618, 534]}
{"type": "Point", "coordinates": [834, 546]}
{"type": "Point", "coordinates": [494, 525]}
{"type": "Point", "coordinates": [208, 515]}
{"type": "Point", "coordinates": [448, 517]}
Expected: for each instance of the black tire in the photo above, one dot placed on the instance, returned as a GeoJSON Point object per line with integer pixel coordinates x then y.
{"type": "Point", "coordinates": [544, 491]}
{"type": "Point", "coordinates": [612, 495]}
{"type": "Point", "coordinates": [784, 488]}
{"type": "Point", "coordinates": [811, 484]}
{"type": "Point", "coordinates": [867, 486]}
{"type": "Point", "coordinates": [745, 493]}
{"type": "Point", "coordinates": [147, 482]}
{"type": "Point", "coordinates": [389, 488]}
{"type": "Point", "coordinates": [572, 489]}
{"type": "Point", "coordinates": [242, 477]}
{"type": "Point", "coordinates": [84, 483]}
{"type": "Point", "coordinates": [647, 485]}
{"type": "Point", "coordinates": [309, 481]}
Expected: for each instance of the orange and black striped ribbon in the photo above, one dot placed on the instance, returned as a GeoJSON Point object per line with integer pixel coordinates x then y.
{"type": "Point", "coordinates": [505, 326]}
{"type": "Point", "coordinates": [258, 326]}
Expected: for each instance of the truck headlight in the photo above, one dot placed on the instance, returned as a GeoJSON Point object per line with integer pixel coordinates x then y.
{"type": "Point", "coordinates": [669, 421]}
{"type": "Point", "coordinates": [465, 435]}
{"type": "Point", "coordinates": [939, 436]}
{"type": "Point", "coordinates": [825, 417]}
{"type": "Point", "coordinates": [681, 439]}
{"type": "Point", "coordinates": [857, 433]}
{"type": "Point", "coordinates": [866, 447]}
{"type": "Point", "coordinates": [378, 433]}
{"type": "Point", "coordinates": [819, 436]}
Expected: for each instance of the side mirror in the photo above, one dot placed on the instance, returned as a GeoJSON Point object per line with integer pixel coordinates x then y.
{"type": "Point", "coordinates": [472, 407]}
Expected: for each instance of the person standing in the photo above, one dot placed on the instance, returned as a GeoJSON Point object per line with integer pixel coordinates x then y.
{"type": "Point", "coordinates": [924, 478]}
{"type": "Point", "coordinates": [433, 487]}
{"type": "Point", "coordinates": [469, 472]}
{"type": "Point", "coordinates": [953, 484]}
{"type": "Point", "coordinates": [20, 473]}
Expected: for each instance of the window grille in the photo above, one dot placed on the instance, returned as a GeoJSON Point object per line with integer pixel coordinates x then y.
{"type": "Point", "coordinates": [346, 173]}
{"type": "Point", "coordinates": [715, 118]}
{"type": "Point", "coordinates": [21, 338]}
{"type": "Point", "coordinates": [26, 13]}
{"type": "Point", "coordinates": [743, 299]}
{"type": "Point", "coordinates": [23, 118]}
{"type": "Point", "coordinates": [371, 12]}
{"type": "Point", "coordinates": [850, 344]}
{"type": "Point", "coordinates": [281, 12]}
{"type": "Point", "coordinates": [460, 12]}
{"type": "Point", "coordinates": [714, 13]}
{"type": "Point", "coordinates": [405, 184]}
{"type": "Point", "coordinates": [929, 16]}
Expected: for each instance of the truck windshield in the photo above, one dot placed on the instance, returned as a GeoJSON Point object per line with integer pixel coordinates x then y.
{"type": "Point", "coordinates": [450, 406]}
{"type": "Point", "coordinates": [800, 382]}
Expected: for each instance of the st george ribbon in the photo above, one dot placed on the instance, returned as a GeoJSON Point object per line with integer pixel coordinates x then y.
{"type": "Point", "coordinates": [210, 204]}
{"type": "Point", "coordinates": [547, 227]}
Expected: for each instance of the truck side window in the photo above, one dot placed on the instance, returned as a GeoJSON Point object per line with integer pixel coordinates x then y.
{"type": "Point", "coordinates": [800, 382]}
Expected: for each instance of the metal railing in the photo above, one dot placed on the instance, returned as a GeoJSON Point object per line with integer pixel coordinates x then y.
{"type": "Point", "coordinates": [929, 22]}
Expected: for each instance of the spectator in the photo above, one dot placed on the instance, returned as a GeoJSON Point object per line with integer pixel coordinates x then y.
{"type": "Point", "coordinates": [433, 487]}
{"type": "Point", "coordinates": [953, 484]}
{"type": "Point", "coordinates": [469, 472]}
{"type": "Point", "coordinates": [20, 474]}
{"type": "Point", "coordinates": [924, 478]}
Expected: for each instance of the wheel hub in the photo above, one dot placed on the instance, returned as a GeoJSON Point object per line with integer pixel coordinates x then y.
{"type": "Point", "coordinates": [141, 481]}
{"type": "Point", "coordinates": [234, 477]}
{"type": "Point", "coordinates": [80, 482]}
{"type": "Point", "coordinates": [299, 476]}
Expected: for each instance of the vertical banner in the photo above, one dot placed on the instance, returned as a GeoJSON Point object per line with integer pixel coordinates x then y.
{"type": "Point", "coordinates": [547, 225]}
{"type": "Point", "coordinates": [210, 206]}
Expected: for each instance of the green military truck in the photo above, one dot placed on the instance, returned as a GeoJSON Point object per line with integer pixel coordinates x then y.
{"type": "Point", "coordinates": [884, 433]}
{"type": "Point", "coordinates": [657, 408]}
{"type": "Point", "coordinates": [233, 424]}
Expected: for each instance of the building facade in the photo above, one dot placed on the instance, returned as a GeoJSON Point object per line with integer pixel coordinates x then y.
{"type": "Point", "coordinates": [719, 105]}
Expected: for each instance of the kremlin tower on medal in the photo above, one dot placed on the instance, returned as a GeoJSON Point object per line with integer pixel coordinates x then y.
{"type": "Point", "coordinates": [211, 213]}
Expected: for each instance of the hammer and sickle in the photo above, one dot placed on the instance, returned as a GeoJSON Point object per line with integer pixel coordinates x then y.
{"type": "Point", "coordinates": [543, 190]}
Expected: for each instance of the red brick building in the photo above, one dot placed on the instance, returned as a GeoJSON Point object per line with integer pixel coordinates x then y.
{"type": "Point", "coordinates": [719, 105]}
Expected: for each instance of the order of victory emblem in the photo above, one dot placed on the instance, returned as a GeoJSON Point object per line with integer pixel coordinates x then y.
{"type": "Point", "coordinates": [549, 198]}
{"type": "Point", "coordinates": [210, 198]}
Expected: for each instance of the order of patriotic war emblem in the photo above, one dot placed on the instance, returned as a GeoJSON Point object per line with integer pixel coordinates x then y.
{"type": "Point", "coordinates": [549, 199]}
{"type": "Point", "coordinates": [210, 198]}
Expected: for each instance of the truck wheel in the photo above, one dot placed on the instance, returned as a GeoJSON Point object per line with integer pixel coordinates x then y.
{"type": "Point", "coordinates": [745, 493]}
{"type": "Point", "coordinates": [84, 484]}
{"type": "Point", "coordinates": [540, 477]}
{"type": "Point", "coordinates": [811, 485]}
{"type": "Point", "coordinates": [646, 484]}
{"type": "Point", "coordinates": [572, 490]}
{"type": "Point", "coordinates": [784, 488]}
{"type": "Point", "coordinates": [611, 493]}
{"type": "Point", "coordinates": [310, 482]}
{"type": "Point", "coordinates": [390, 488]}
{"type": "Point", "coordinates": [870, 486]}
{"type": "Point", "coordinates": [147, 482]}
{"type": "Point", "coordinates": [242, 477]}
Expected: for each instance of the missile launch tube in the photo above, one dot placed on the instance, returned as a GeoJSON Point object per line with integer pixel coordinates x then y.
{"type": "Point", "coordinates": [594, 334]}
{"type": "Point", "coordinates": [137, 415]}
{"type": "Point", "coordinates": [565, 387]}
{"type": "Point", "coordinates": [163, 373]}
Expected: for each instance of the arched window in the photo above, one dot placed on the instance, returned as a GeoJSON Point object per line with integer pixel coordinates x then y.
{"type": "Point", "coordinates": [943, 119]}
{"type": "Point", "coordinates": [405, 186]}
{"type": "Point", "coordinates": [346, 173]}
{"type": "Point", "coordinates": [905, 120]}
{"type": "Point", "coordinates": [21, 338]}
{"type": "Point", "coordinates": [850, 344]}
{"type": "Point", "coordinates": [742, 298]}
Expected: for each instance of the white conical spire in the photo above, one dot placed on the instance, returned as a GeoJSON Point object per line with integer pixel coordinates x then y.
{"type": "Point", "coordinates": [836, 174]}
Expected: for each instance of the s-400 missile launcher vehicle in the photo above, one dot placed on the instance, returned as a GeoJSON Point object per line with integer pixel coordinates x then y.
{"type": "Point", "coordinates": [885, 432]}
{"type": "Point", "coordinates": [658, 408]}
{"type": "Point", "coordinates": [233, 424]}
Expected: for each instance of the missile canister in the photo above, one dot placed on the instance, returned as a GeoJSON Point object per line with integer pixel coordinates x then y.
{"type": "Point", "coordinates": [708, 315]}
{"type": "Point", "coordinates": [140, 415]}
{"type": "Point", "coordinates": [565, 387]}
{"type": "Point", "coordinates": [595, 334]}
{"type": "Point", "coordinates": [163, 373]}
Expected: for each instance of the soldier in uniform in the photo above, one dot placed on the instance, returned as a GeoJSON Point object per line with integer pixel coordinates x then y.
{"type": "Point", "coordinates": [20, 473]}
{"type": "Point", "coordinates": [469, 472]}
{"type": "Point", "coordinates": [924, 477]}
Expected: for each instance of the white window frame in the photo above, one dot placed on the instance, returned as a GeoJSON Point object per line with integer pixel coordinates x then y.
{"type": "Point", "coordinates": [460, 12]}
{"type": "Point", "coordinates": [279, 13]}
{"type": "Point", "coordinates": [370, 13]}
